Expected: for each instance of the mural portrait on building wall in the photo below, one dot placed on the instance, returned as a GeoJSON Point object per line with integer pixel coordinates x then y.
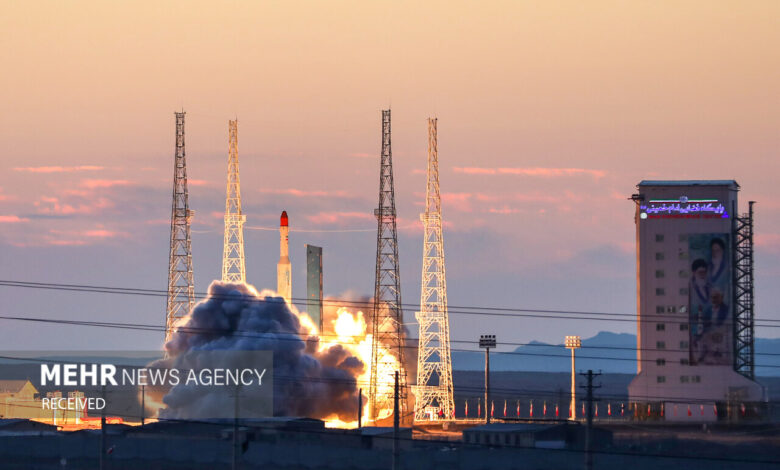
{"type": "Point", "coordinates": [710, 299]}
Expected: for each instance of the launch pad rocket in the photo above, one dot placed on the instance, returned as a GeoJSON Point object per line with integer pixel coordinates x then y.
{"type": "Point", "coordinates": [283, 269]}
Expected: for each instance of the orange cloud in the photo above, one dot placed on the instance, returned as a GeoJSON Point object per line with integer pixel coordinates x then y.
{"type": "Point", "coordinates": [58, 169]}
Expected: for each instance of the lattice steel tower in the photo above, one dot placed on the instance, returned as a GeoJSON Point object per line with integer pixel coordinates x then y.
{"type": "Point", "coordinates": [387, 325]}
{"type": "Point", "coordinates": [233, 265]}
{"type": "Point", "coordinates": [434, 392]}
{"type": "Point", "coordinates": [181, 290]}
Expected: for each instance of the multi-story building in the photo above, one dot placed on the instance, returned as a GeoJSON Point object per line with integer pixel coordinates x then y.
{"type": "Point", "coordinates": [694, 324]}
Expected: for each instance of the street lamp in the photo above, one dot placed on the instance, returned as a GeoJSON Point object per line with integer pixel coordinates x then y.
{"type": "Point", "coordinates": [573, 342]}
{"type": "Point", "coordinates": [486, 342]}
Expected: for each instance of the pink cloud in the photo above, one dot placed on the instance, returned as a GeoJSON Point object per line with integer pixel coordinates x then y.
{"type": "Point", "coordinates": [194, 182]}
{"type": "Point", "coordinates": [58, 169]}
{"type": "Point", "coordinates": [304, 193]}
{"type": "Point", "coordinates": [93, 184]}
{"type": "Point", "coordinates": [101, 233]}
{"type": "Point", "coordinates": [503, 210]}
{"type": "Point", "coordinates": [418, 171]}
{"type": "Point", "coordinates": [768, 241]}
{"type": "Point", "coordinates": [12, 219]}
{"type": "Point", "coordinates": [531, 171]}
{"type": "Point", "coordinates": [338, 217]}
{"type": "Point", "coordinates": [458, 201]}
{"type": "Point", "coordinates": [552, 172]}
{"type": "Point", "coordinates": [474, 170]}
{"type": "Point", "coordinates": [52, 205]}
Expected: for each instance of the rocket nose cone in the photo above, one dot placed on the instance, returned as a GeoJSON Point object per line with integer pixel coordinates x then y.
{"type": "Point", "coordinates": [283, 220]}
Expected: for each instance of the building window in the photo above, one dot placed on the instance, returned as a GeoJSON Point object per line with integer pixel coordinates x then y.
{"type": "Point", "coordinates": [683, 237]}
{"type": "Point", "coordinates": [683, 327]}
{"type": "Point", "coordinates": [684, 273]}
{"type": "Point", "coordinates": [684, 362]}
{"type": "Point", "coordinates": [659, 273]}
{"type": "Point", "coordinates": [660, 379]}
{"type": "Point", "coordinates": [684, 291]}
{"type": "Point", "coordinates": [683, 255]}
{"type": "Point", "coordinates": [660, 309]}
{"type": "Point", "coordinates": [683, 308]}
{"type": "Point", "coordinates": [660, 345]}
{"type": "Point", "coordinates": [696, 378]}
{"type": "Point", "coordinates": [659, 256]}
{"type": "Point", "coordinates": [671, 309]}
{"type": "Point", "coordinates": [660, 327]}
{"type": "Point", "coordinates": [660, 291]}
{"type": "Point", "coordinates": [684, 379]}
{"type": "Point", "coordinates": [660, 362]}
{"type": "Point", "coordinates": [659, 237]}
{"type": "Point", "coordinates": [683, 345]}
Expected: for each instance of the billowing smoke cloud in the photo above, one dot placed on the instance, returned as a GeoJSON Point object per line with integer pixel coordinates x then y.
{"type": "Point", "coordinates": [307, 381]}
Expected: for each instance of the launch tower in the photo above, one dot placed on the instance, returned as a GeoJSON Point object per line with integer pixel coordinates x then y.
{"type": "Point", "coordinates": [233, 266]}
{"type": "Point", "coordinates": [387, 325]}
{"type": "Point", "coordinates": [434, 392]}
{"type": "Point", "coordinates": [181, 289]}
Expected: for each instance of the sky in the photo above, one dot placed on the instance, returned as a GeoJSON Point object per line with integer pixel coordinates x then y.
{"type": "Point", "coordinates": [549, 114]}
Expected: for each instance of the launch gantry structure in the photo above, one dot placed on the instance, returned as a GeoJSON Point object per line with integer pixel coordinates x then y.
{"type": "Point", "coordinates": [181, 289]}
{"type": "Point", "coordinates": [434, 390]}
{"type": "Point", "coordinates": [387, 351]}
{"type": "Point", "coordinates": [233, 264]}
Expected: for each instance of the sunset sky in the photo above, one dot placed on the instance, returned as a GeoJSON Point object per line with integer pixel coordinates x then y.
{"type": "Point", "coordinates": [549, 114]}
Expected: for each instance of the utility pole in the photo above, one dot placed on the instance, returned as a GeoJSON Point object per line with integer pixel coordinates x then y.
{"type": "Point", "coordinates": [102, 460]}
{"type": "Point", "coordinates": [396, 422]}
{"type": "Point", "coordinates": [486, 342]}
{"type": "Point", "coordinates": [235, 431]}
{"type": "Point", "coordinates": [360, 408]}
{"type": "Point", "coordinates": [143, 405]}
{"type": "Point", "coordinates": [589, 413]}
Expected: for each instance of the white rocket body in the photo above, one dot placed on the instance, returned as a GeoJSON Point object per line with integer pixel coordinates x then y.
{"type": "Point", "coordinates": [283, 268]}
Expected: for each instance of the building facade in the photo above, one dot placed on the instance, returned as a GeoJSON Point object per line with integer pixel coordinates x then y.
{"type": "Point", "coordinates": [686, 303]}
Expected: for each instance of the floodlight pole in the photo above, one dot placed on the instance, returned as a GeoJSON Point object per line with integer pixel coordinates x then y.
{"type": "Point", "coordinates": [573, 342]}
{"type": "Point", "coordinates": [486, 342]}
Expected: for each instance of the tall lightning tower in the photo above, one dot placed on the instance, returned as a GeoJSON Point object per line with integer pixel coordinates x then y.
{"type": "Point", "coordinates": [233, 265]}
{"type": "Point", "coordinates": [387, 351]}
{"type": "Point", "coordinates": [434, 392]}
{"type": "Point", "coordinates": [181, 290]}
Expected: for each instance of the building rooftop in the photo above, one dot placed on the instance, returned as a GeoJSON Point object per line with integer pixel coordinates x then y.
{"type": "Point", "coordinates": [12, 386]}
{"type": "Point", "coordinates": [514, 427]}
{"type": "Point", "coordinates": [688, 183]}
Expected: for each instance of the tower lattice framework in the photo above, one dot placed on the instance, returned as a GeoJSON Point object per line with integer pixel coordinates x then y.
{"type": "Point", "coordinates": [233, 264]}
{"type": "Point", "coordinates": [434, 390]}
{"type": "Point", "coordinates": [387, 351]}
{"type": "Point", "coordinates": [181, 289]}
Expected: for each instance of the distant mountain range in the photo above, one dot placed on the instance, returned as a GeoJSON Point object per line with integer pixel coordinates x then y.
{"type": "Point", "coordinates": [607, 351]}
